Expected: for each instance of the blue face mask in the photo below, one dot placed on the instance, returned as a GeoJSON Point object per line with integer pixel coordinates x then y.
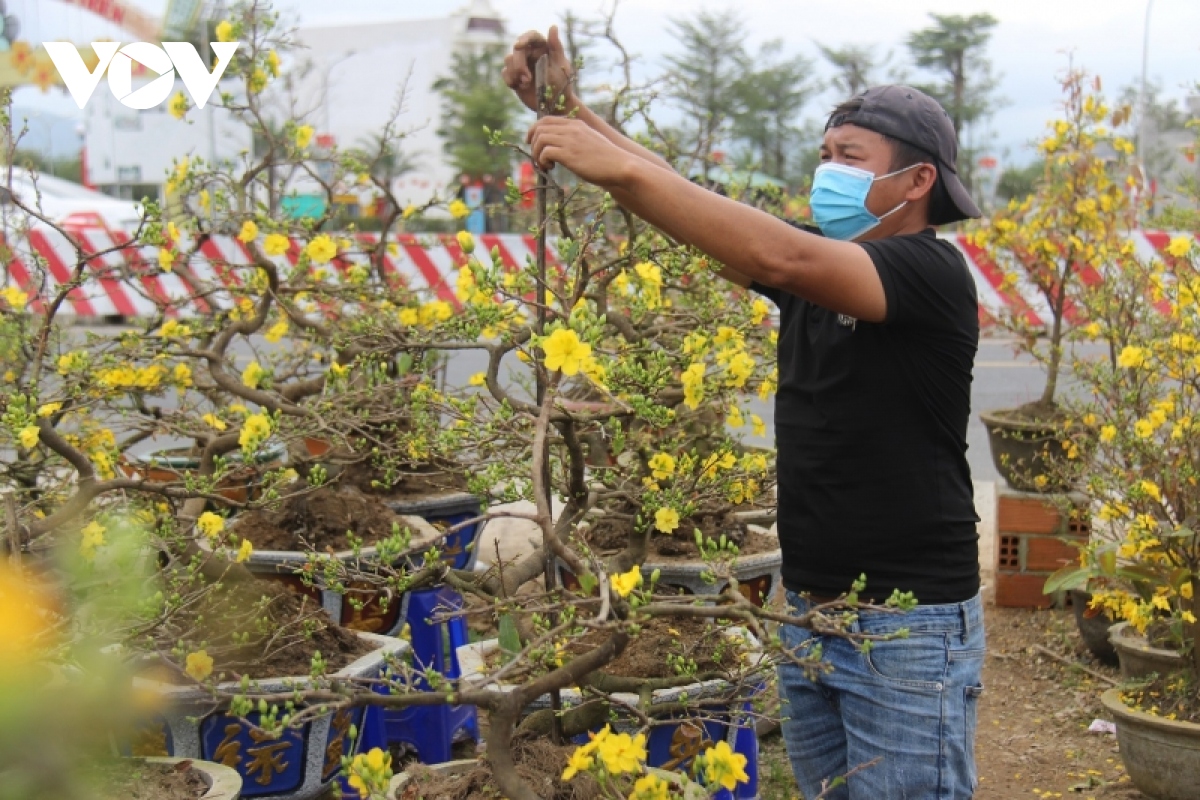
{"type": "Point", "coordinates": [839, 200]}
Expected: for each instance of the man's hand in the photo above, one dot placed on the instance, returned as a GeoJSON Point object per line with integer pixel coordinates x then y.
{"type": "Point", "coordinates": [570, 142]}
{"type": "Point", "coordinates": [519, 66]}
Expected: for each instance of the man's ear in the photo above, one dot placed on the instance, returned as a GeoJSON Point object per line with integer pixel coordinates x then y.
{"type": "Point", "coordinates": [924, 178]}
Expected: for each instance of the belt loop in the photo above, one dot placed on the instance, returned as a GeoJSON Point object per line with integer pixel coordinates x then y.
{"type": "Point", "coordinates": [965, 613]}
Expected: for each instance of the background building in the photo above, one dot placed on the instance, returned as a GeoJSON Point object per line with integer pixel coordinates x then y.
{"type": "Point", "coordinates": [344, 80]}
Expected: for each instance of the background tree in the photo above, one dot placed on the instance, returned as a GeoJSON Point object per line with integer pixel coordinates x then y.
{"type": "Point", "coordinates": [855, 67]}
{"type": "Point", "coordinates": [475, 97]}
{"type": "Point", "coordinates": [953, 50]}
{"type": "Point", "coordinates": [772, 94]}
{"type": "Point", "coordinates": [1018, 182]}
{"type": "Point", "coordinates": [704, 77]}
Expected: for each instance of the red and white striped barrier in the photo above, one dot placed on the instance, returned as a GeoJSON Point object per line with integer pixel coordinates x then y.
{"type": "Point", "coordinates": [422, 262]}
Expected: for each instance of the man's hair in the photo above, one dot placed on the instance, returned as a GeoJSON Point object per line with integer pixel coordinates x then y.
{"type": "Point", "coordinates": [903, 153]}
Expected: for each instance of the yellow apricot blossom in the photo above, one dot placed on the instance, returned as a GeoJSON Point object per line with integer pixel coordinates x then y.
{"type": "Point", "coordinates": [276, 244]}
{"type": "Point", "coordinates": [28, 436]}
{"type": "Point", "coordinates": [626, 582]}
{"type": "Point", "coordinates": [249, 232]}
{"type": "Point", "coordinates": [666, 519]}
{"type": "Point", "coordinates": [564, 351]}
{"type": "Point", "coordinates": [304, 135]}
{"type": "Point", "coordinates": [321, 249]}
{"type": "Point", "coordinates": [199, 665]}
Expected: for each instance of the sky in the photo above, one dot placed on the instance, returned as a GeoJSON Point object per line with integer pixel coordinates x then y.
{"type": "Point", "coordinates": [1029, 47]}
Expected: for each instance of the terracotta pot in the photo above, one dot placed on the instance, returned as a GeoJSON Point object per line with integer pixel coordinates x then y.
{"type": "Point", "coordinates": [1162, 756]}
{"type": "Point", "coordinates": [1022, 451]}
{"type": "Point", "coordinates": [173, 465]}
{"type": "Point", "coordinates": [1138, 658]}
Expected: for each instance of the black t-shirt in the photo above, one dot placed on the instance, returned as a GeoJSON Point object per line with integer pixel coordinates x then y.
{"type": "Point", "coordinates": [871, 432]}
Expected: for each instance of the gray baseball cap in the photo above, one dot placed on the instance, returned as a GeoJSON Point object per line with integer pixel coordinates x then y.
{"type": "Point", "coordinates": [915, 118]}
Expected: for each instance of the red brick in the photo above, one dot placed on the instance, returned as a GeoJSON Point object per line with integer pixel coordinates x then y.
{"type": "Point", "coordinates": [1021, 590]}
{"type": "Point", "coordinates": [1027, 513]}
{"type": "Point", "coordinates": [1047, 553]}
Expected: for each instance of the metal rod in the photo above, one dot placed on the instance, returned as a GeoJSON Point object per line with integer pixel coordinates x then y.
{"type": "Point", "coordinates": [543, 188]}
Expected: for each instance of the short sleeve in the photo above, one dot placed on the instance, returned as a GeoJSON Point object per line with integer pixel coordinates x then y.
{"type": "Point", "coordinates": [925, 280]}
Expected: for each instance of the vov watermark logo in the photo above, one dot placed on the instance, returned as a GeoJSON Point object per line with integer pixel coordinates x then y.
{"type": "Point", "coordinates": [165, 60]}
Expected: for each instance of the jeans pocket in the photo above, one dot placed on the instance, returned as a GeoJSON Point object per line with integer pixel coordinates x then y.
{"type": "Point", "coordinates": [970, 716]}
{"type": "Point", "coordinates": [916, 662]}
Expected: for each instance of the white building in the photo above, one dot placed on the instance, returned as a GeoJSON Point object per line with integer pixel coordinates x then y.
{"type": "Point", "coordinates": [343, 80]}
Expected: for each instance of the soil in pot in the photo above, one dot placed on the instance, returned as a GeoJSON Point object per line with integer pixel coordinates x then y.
{"type": "Point", "coordinates": [133, 779]}
{"type": "Point", "coordinates": [318, 519]}
{"type": "Point", "coordinates": [417, 483]}
{"type": "Point", "coordinates": [285, 633]}
{"type": "Point", "coordinates": [1174, 697]}
{"type": "Point", "coordinates": [611, 534]}
{"type": "Point", "coordinates": [538, 763]}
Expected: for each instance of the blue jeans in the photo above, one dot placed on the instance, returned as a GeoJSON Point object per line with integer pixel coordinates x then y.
{"type": "Point", "coordinates": [910, 702]}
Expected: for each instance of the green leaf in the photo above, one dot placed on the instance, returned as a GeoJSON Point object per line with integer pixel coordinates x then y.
{"type": "Point", "coordinates": [510, 640]}
{"type": "Point", "coordinates": [1070, 577]}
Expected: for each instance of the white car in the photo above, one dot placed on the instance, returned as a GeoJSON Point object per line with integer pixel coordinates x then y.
{"type": "Point", "coordinates": [66, 202]}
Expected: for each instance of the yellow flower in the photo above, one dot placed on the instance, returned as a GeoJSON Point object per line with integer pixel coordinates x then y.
{"type": "Point", "coordinates": [304, 135]}
{"type": "Point", "coordinates": [213, 421]}
{"type": "Point", "coordinates": [478, 379]}
{"type": "Point", "coordinates": [91, 539]}
{"type": "Point", "coordinates": [436, 311]}
{"type": "Point", "coordinates": [409, 210]}
{"type": "Point", "coordinates": [564, 351]}
{"type": "Point", "coordinates": [276, 331]}
{"type": "Point", "coordinates": [245, 551]}
{"type": "Point", "coordinates": [199, 665]}
{"type": "Point", "coordinates": [622, 753]}
{"type": "Point", "coordinates": [15, 298]}
{"type": "Point", "coordinates": [626, 582]}
{"type": "Point", "coordinates": [321, 249]}
{"type": "Point", "coordinates": [693, 384]}
{"type": "Point", "coordinates": [458, 209]}
{"type": "Point", "coordinates": [1189, 617]}
{"type": "Point", "coordinates": [734, 417]}
{"type": "Point", "coordinates": [166, 259]}
{"type": "Point", "coordinates": [28, 437]}
{"type": "Point", "coordinates": [649, 274]}
{"type": "Point", "coordinates": [759, 311]}
{"type": "Point", "coordinates": [1179, 246]}
{"type": "Point", "coordinates": [253, 374]}
{"type": "Point", "coordinates": [273, 63]}
{"type": "Point", "coordinates": [339, 370]}
{"type": "Point", "coordinates": [1144, 428]}
{"type": "Point", "coordinates": [179, 106]}
{"type": "Point", "coordinates": [666, 519]}
{"type": "Point", "coordinates": [182, 375]}
{"type": "Point", "coordinates": [662, 466]}
{"type": "Point", "coordinates": [224, 31]}
{"type": "Point", "coordinates": [1151, 488]}
{"type": "Point", "coordinates": [739, 370]}
{"type": "Point", "coordinates": [210, 524]}
{"type": "Point", "coordinates": [172, 329]}
{"type": "Point", "coordinates": [409, 316]}
{"type": "Point", "coordinates": [255, 430]}
{"type": "Point", "coordinates": [758, 426]}
{"type": "Point", "coordinates": [466, 241]}
{"type": "Point", "coordinates": [1092, 330]}
{"type": "Point", "coordinates": [49, 409]}
{"type": "Point", "coordinates": [276, 244]}
{"type": "Point", "coordinates": [1131, 356]}
{"type": "Point", "coordinates": [724, 767]}
{"type": "Point", "coordinates": [650, 787]}
{"type": "Point", "coordinates": [249, 231]}
{"type": "Point", "coordinates": [580, 761]}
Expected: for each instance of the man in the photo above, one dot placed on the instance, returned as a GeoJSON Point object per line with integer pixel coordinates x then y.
{"type": "Point", "coordinates": [879, 328]}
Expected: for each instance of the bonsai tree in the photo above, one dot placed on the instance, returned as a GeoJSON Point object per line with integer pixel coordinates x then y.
{"type": "Point", "coordinates": [1057, 241]}
{"type": "Point", "coordinates": [1054, 239]}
